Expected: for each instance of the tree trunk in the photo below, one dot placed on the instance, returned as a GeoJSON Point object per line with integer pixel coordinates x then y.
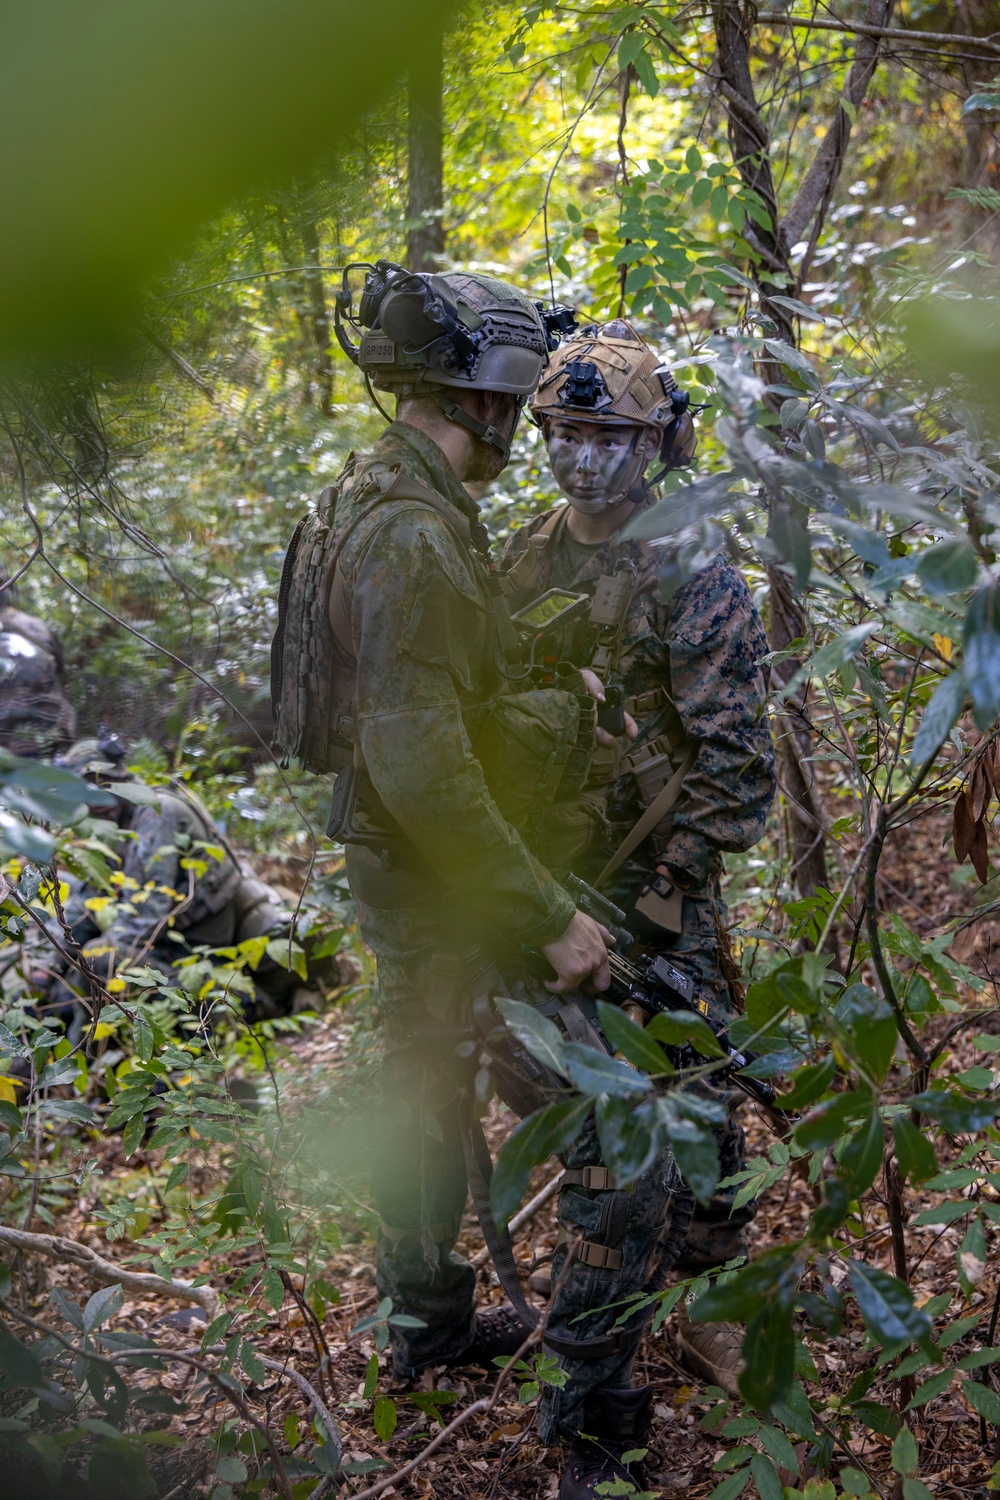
{"type": "Point", "coordinates": [319, 318]}
{"type": "Point", "coordinates": [425, 166]}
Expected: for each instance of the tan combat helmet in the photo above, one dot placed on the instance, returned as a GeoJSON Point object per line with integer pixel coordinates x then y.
{"type": "Point", "coordinates": [611, 375]}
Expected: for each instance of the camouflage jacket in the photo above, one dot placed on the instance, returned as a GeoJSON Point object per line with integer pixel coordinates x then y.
{"type": "Point", "coordinates": [690, 669]}
{"type": "Point", "coordinates": [425, 638]}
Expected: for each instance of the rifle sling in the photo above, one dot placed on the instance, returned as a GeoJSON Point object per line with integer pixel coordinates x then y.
{"type": "Point", "coordinates": [651, 818]}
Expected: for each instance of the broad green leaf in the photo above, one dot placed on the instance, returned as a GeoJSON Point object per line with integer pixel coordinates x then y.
{"type": "Point", "coordinates": [939, 718]}
{"type": "Point", "coordinates": [809, 1083]}
{"type": "Point", "coordinates": [949, 567]}
{"type": "Point", "coordinates": [545, 1133]}
{"type": "Point", "coordinates": [979, 1359]}
{"type": "Point", "coordinates": [101, 1307]}
{"type": "Point", "coordinates": [594, 1072]}
{"type": "Point", "coordinates": [860, 1159]}
{"type": "Point", "coordinates": [384, 1417]}
{"type": "Point", "coordinates": [253, 1366]}
{"type": "Point", "coordinates": [535, 1032]}
{"type": "Point", "coordinates": [272, 1287]}
{"type": "Point", "coordinates": [730, 1488]}
{"type": "Point", "coordinates": [765, 1477]}
{"type": "Point", "coordinates": [930, 1389]}
{"type": "Point", "coordinates": [133, 1133]}
{"type": "Point", "coordinates": [780, 1448]}
{"type": "Point", "coordinates": [982, 1400]}
{"type": "Point", "coordinates": [958, 1115]}
{"type": "Point", "coordinates": [981, 642]}
{"type": "Point", "coordinates": [676, 1027]}
{"type": "Point", "coordinates": [887, 1306]}
{"type": "Point", "coordinates": [914, 1152]}
{"type": "Point", "coordinates": [828, 1120]}
{"type": "Point", "coordinates": [769, 1355]}
{"type": "Point", "coordinates": [633, 1041]}
{"type": "Point", "coordinates": [630, 1136]}
{"type": "Point", "coordinates": [904, 1452]}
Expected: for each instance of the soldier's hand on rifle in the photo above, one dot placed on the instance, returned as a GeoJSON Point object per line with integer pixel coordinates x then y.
{"type": "Point", "coordinates": [595, 688]}
{"type": "Point", "coordinates": [581, 953]}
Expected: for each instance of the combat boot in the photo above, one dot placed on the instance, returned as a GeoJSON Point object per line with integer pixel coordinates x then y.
{"type": "Point", "coordinates": [499, 1333]}
{"type": "Point", "coordinates": [614, 1421]}
{"type": "Point", "coordinates": [712, 1350]}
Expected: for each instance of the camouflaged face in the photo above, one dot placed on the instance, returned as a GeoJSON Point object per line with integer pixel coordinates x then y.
{"type": "Point", "coordinates": [702, 648]}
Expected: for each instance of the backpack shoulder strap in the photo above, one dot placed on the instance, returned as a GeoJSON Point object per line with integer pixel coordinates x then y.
{"type": "Point", "coordinates": [651, 818]}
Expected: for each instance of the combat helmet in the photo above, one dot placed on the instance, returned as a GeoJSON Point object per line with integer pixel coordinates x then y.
{"type": "Point", "coordinates": [420, 333]}
{"type": "Point", "coordinates": [610, 375]}
{"type": "Point", "coordinates": [97, 759]}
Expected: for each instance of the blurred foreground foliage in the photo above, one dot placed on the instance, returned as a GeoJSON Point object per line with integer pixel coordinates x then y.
{"type": "Point", "coordinates": [854, 473]}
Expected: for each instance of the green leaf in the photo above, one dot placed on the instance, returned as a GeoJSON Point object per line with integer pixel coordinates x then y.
{"type": "Point", "coordinates": [731, 1487]}
{"type": "Point", "coordinates": [945, 1213]}
{"type": "Point", "coordinates": [384, 1417]}
{"type": "Point", "coordinates": [371, 1378]}
{"type": "Point", "coordinates": [594, 1072]}
{"type": "Point", "coordinates": [930, 1389]}
{"type": "Point", "coordinates": [949, 567]}
{"type": "Point", "coordinates": [101, 1307]}
{"type": "Point", "coordinates": [253, 1366]}
{"type": "Point", "coordinates": [913, 1489]}
{"type": "Point", "coordinates": [792, 543]}
{"type": "Point", "coordinates": [939, 718]}
{"type": "Point", "coordinates": [979, 1358]}
{"type": "Point", "coordinates": [828, 1120]}
{"type": "Point", "coordinates": [133, 1133]}
{"type": "Point", "coordinates": [904, 1452]}
{"type": "Point", "coordinates": [780, 1448]}
{"type": "Point", "coordinates": [958, 1115]}
{"type": "Point", "coordinates": [982, 1400]}
{"type": "Point", "coordinates": [272, 1287]}
{"type": "Point", "coordinates": [981, 643]}
{"type": "Point", "coordinates": [536, 1033]}
{"type": "Point", "coordinates": [548, 1131]}
{"type": "Point", "coordinates": [861, 1158]}
{"type": "Point", "coordinates": [142, 1037]}
{"type": "Point", "coordinates": [809, 1083]}
{"type": "Point", "coordinates": [675, 1027]}
{"type": "Point", "coordinates": [793, 360]}
{"type": "Point", "coordinates": [19, 1365]}
{"type": "Point", "coordinates": [765, 1477]}
{"type": "Point", "coordinates": [887, 1306]}
{"type": "Point", "coordinates": [633, 1041]}
{"type": "Point", "coordinates": [914, 1152]}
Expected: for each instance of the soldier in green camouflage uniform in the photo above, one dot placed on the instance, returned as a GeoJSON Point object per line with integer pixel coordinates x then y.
{"type": "Point", "coordinates": [389, 650]}
{"type": "Point", "coordinates": [688, 666]}
{"type": "Point", "coordinates": [182, 887]}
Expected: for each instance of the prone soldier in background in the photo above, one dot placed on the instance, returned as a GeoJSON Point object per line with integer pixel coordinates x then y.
{"type": "Point", "coordinates": [685, 773]}
{"type": "Point", "coordinates": [36, 718]}
{"type": "Point", "coordinates": [180, 886]}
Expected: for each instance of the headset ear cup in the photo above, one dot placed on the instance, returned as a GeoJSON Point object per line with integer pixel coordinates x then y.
{"type": "Point", "coordinates": [679, 442]}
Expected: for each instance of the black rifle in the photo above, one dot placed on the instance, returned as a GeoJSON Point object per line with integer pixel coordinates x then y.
{"type": "Point", "coordinates": [656, 986]}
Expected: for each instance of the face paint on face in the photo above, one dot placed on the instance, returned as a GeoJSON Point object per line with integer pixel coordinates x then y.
{"type": "Point", "coordinates": [590, 462]}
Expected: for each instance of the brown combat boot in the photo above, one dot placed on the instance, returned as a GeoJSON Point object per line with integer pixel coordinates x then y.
{"type": "Point", "coordinates": [711, 1350]}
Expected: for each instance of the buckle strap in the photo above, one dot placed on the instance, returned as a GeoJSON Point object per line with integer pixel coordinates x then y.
{"type": "Point", "coordinates": [595, 1179]}
{"type": "Point", "coordinates": [602, 1257]}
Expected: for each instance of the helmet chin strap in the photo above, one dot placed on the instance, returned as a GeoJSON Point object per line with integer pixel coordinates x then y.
{"type": "Point", "coordinates": [484, 430]}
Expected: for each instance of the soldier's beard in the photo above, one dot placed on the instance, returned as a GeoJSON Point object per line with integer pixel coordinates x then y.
{"type": "Point", "coordinates": [486, 463]}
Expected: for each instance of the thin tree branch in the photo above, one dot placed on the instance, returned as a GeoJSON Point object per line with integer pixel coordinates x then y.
{"type": "Point", "coordinates": [890, 33]}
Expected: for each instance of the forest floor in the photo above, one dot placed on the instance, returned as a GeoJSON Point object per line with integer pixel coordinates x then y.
{"type": "Point", "coordinates": [497, 1456]}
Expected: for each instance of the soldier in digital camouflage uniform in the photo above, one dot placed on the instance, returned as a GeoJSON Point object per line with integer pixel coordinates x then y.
{"type": "Point", "coordinates": [687, 661]}
{"type": "Point", "coordinates": [36, 718]}
{"type": "Point", "coordinates": [182, 887]}
{"type": "Point", "coordinates": [390, 649]}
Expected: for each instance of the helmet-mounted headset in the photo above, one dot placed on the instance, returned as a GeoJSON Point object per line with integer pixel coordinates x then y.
{"type": "Point", "coordinates": [419, 332]}
{"type": "Point", "coordinates": [611, 376]}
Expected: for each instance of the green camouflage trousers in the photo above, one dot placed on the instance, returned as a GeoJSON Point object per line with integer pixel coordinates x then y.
{"type": "Point", "coordinates": [419, 1175]}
